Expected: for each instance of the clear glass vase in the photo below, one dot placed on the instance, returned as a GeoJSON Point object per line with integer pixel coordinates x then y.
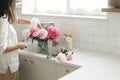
{"type": "Point", "coordinates": [42, 47]}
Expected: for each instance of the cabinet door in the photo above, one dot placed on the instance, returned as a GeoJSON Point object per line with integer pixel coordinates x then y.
{"type": "Point", "coordinates": [36, 69]}
{"type": "Point", "coordinates": [63, 70]}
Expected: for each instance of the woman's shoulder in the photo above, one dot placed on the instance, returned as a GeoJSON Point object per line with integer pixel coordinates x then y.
{"type": "Point", "coordinates": [2, 21]}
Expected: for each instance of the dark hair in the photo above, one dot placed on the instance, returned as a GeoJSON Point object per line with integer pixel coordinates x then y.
{"type": "Point", "coordinates": [7, 8]}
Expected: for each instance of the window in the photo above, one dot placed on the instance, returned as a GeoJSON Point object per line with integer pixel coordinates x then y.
{"type": "Point", "coordinates": [64, 7]}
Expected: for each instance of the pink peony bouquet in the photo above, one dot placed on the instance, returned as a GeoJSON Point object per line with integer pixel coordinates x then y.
{"type": "Point", "coordinates": [37, 32]}
{"type": "Point", "coordinates": [42, 33]}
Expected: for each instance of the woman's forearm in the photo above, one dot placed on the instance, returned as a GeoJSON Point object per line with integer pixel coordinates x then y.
{"type": "Point", "coordinates": [23, 21]}
{"type": "Point", "coordinates": [15, 47]}
{"type": "Point", "coordinates": [11, 48]}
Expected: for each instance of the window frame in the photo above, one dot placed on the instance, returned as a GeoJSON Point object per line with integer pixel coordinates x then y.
{"type": "Point", "coordinates": [68, 14]}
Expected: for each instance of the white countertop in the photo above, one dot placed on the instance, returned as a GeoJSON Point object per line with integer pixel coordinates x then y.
{"type": "Point", "coordinates": [95, 66]}
{"type": "Point", "coordinates": [43, 57]}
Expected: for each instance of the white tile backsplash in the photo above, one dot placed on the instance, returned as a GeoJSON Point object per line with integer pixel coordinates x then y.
{"type": "Point", "coordinates": [101, 35]}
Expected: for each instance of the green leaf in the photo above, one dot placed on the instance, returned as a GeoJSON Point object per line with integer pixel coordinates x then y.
{"type": "Point", "coordinates": [36, 38]}
{"type": "Point", "coordinates": [46, 24]}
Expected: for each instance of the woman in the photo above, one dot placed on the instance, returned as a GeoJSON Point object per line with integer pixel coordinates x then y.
{"type": "Point", "coordinates": [9, 60]}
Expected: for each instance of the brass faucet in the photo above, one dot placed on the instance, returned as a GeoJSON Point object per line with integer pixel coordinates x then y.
{"type": "Point", "coordinates": [55, 43]}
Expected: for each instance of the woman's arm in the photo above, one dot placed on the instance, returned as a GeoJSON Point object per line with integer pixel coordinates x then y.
{"type": "Point", "coordinates": [10, 48]}
{"type": "Point", "coordinates": [23, 21]}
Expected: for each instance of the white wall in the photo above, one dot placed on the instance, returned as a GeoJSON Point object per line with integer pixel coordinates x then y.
{"type": "Point", "coordinates": [91, 34]}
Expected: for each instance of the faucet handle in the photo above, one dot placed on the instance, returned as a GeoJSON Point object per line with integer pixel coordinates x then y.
{"type": "Point", "coordinates": [55, 43]}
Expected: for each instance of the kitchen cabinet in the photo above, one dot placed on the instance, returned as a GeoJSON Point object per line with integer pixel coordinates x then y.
{"type": "Point", "coordinates": [63, 70]}
{"type": "Point", "coordinates": [37, 68]}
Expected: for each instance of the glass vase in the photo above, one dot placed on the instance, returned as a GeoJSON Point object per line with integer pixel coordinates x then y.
{"type": "Point", "coordinates": [42, 47]}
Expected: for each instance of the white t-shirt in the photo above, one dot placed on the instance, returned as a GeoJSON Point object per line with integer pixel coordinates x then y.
{"type": "Point", "coordinates": [8, 36]}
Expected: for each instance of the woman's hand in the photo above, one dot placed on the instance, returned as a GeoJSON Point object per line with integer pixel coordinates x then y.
{"type": "Point", "coordinates": [15, 47]}
{"type": "Point", "coordinates": [21, 46]}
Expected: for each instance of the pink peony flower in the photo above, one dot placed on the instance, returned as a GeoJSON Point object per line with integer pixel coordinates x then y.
{"type": "Point", "coordinates": [35, 22]}
{"type": "Point", "coordinates": [26, 33]}
{"type": "Point", "coordinates": [42, 33]}
{"type": "Point", "coordinates": [60, 57]}
{"type": "Point", "coordinates": [35, 34]}
{"type": "Point", "coordinates": [69, 56]}
{"type": "Point", "coordinates": [33, 31]}
{"type": "Point", "coordinates": [53, 32]}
